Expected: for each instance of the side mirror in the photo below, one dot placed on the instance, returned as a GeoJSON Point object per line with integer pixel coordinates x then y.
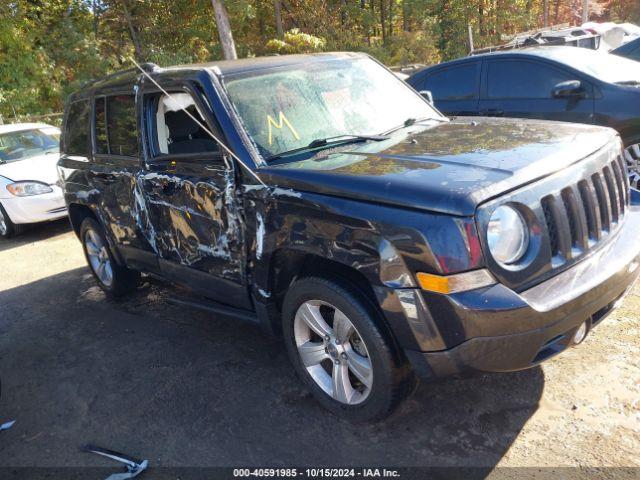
{"type": "Point", "coordinates": [427, 95]}
{"type": "Point", "coordinates": [569, 89]}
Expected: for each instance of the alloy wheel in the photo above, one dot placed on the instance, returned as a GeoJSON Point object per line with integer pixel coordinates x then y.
{"type": "Point", "coordinates": [99, 257]}
{"type": "Point", "coordinates": [333, 352]}
{"type": "Point", "coordinates": [632, 157]}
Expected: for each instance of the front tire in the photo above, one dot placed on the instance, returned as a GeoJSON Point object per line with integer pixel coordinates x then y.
{"type": "Point", "coordinates": [7, 228]}
{"type": "Point", "coordinates": [338, 349]}
{"type": "Point", "coordinates": [116, 280]}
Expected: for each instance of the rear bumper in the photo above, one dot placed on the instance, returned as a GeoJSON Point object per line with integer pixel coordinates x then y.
{"type": "Point", "coordinates": [38, 208]}
{"type": "Point", "coordinates": [501, 330]}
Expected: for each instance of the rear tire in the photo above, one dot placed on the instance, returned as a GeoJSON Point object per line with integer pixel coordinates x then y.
{"type": "Point", "coordinates": [116, 280]}
{"type": "Point", "coordinates": [8, 229]}
{"type": "Point", "coordinates": [341, 353]}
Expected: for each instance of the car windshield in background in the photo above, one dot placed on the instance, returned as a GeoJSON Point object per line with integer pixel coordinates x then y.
{"type": "Point", "coordinates": [25, 144]}
{"type": "Point", "coordinates": [289, 108]}
{"type": "Point", "coordinates": [604, 66]}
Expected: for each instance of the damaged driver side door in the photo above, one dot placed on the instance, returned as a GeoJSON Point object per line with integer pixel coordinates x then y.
{"type": "Point", "coordinates": [189, 186]}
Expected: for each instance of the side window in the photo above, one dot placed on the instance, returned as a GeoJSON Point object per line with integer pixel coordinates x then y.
{"type": "Point", "coordinates": [523, 79]}
{"type": "Point", "coordinates": [76, 135]}
{"type": "Point", "coordinates": [455, 83]}
{"type": "Point", "coordinates": [100, 126]}
{"type": "Point", "coordinates": [122, 133]}
{"type": "Point", "coordinates": [175, 131]}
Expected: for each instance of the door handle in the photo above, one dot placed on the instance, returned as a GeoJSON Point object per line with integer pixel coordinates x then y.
{"type": "Point", "coordinates": [492, 112]}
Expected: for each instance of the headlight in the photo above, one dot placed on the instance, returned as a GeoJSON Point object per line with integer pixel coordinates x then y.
{"type": "Point", "coordinates": [507, 235]}
{"type": "Point", "coordinates": [28, 189]}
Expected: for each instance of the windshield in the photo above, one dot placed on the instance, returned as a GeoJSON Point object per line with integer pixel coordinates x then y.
{"type": "Point", "coordinates": [25, 144]}
{"type": "Point", "coordinates": [287, 108]}
{"type": "Point", "coordinates": [604, 66]}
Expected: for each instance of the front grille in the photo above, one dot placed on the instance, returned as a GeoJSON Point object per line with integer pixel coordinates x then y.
{"type": "Point", "coordinates": [580, 215]}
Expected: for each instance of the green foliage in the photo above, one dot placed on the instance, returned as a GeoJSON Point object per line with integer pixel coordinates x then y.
{"type": "Point", "coordinates": [296, 41]}
{"type": "Point", "coordinates": [48, 48]}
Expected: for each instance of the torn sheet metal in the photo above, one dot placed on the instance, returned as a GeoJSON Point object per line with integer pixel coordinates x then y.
{"type": "Point", "coordinates": [133, 465]}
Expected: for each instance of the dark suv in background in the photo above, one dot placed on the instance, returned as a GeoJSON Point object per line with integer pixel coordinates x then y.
{"type": "Point", "coordinates": [322, 198]}
{"type": "Point", "coordinates": [552, 83]}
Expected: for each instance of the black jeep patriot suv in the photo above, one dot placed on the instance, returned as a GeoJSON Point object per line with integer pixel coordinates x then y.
{"type": "Point", "coordinates": [321, 197]}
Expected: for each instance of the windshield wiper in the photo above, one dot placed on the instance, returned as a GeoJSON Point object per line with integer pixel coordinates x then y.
{"type": "Point", "coordinates": [330, 141]}
{"type": "Point", "coordinates": [412, 121]}
{"type": "Point", "coordinates": [632, 83]}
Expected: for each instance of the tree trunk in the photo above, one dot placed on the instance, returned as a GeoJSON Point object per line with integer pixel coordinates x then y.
{"type": "Point", "coordinates": [372, 3]}
{"type": "Point", "coordinates": [367, 32]}
{"type": "Point", "coordinates": [224, 30]}
{"type": "Point", "coordinates": [585, 11]}
{"type": "Point", "coordinates": [132, 32]}
{"type": "Point", "coordinates": [343, 12]}
{"type": "Point", "coordinates": [260, 14]}
{"type": "Point", "coordinates": [545, 13]}
{"type": "Point", "coordinates": [277, 7]}
{"type": "Point", "coordinates": [383, 22]}
{"type": "Point", "coordinates": [96, 17]}
{"type": "Point", "coordinates": [406, 25]}
{"type": "Point", "coordinates": [390, 21]}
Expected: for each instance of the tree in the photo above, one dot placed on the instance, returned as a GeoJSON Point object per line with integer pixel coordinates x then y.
{"type": "Point", "coordinates": [49, 48]}
{"type": "Point", "coordinates": [277, 7]}
{"type": "Point", "coordinates": [224, 30]}
{"type": "Point", "coordinates": [132, 31]}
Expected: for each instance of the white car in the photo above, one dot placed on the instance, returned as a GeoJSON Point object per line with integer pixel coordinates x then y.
{"type": "Point", "coordinates": [29, 190]}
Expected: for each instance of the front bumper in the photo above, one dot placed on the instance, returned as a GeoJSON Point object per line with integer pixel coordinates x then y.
{"type": "Point", "coordinates": [38, 208]}
{"type": "Point", "coordinates": [496, 329]}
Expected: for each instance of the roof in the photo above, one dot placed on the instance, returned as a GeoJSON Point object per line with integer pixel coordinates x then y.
{"type": "Point", "coordinates": [556, 52]}
{"type": "Point", "coordinates": [16, 127]}
{"type": "Point", "coordinates": [559, 53]}
{"type": "Point", "coordinates": [125, 78]}
{"type": "Point", "coordinates": [244, 65]}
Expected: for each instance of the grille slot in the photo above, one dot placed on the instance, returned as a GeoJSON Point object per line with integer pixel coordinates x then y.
{"type": "Point", "coordinates": [551, 225]}
{"type": "Point", "coordinates": [592, 210]}
{"type": "Point", "coordinates": [624, 171]}
{"type": "Point", "coordinates": [603, 202]}
{"type": "Point", "coordinates": [578, 227]}
{"type": "Point", "coordinates": [619, 179]}
{"type": "Point", "coordinates": [579, 215]}
{"type": "Point", "coordinates": [612, 191]}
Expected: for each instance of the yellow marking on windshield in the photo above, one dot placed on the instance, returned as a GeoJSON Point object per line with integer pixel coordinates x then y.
{"type": "Point", "coordinates": [282, 121]}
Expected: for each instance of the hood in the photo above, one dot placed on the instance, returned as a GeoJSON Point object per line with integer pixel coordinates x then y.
{"type": "Point", "coordinates": [41, 168]}
{"type": "Point", "coordinates": [450, 167]}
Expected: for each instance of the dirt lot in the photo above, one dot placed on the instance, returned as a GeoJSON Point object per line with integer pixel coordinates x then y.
{"type": "Point", "coordinates": [184, 389]}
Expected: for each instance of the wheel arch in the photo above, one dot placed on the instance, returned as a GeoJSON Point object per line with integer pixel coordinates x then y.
{"type": "Point", "coordinates": [289, 265]}
{"type": "Point", "coordinates": [77, 214]}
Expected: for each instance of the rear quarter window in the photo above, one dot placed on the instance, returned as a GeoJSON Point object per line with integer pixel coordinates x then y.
{"type": "Point", "coordinates": [76, 135]}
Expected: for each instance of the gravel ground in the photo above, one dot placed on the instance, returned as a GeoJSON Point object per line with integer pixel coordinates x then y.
{"type": "Point", "coordinates": [184, 389]}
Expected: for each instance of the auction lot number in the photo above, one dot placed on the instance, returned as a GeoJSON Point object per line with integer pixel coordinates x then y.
{"type": "Point", "coordinates": [316, 472]}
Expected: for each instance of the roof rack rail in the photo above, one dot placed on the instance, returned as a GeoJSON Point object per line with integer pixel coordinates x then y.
{"type": "Point", "coordinates": [147, 67]}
